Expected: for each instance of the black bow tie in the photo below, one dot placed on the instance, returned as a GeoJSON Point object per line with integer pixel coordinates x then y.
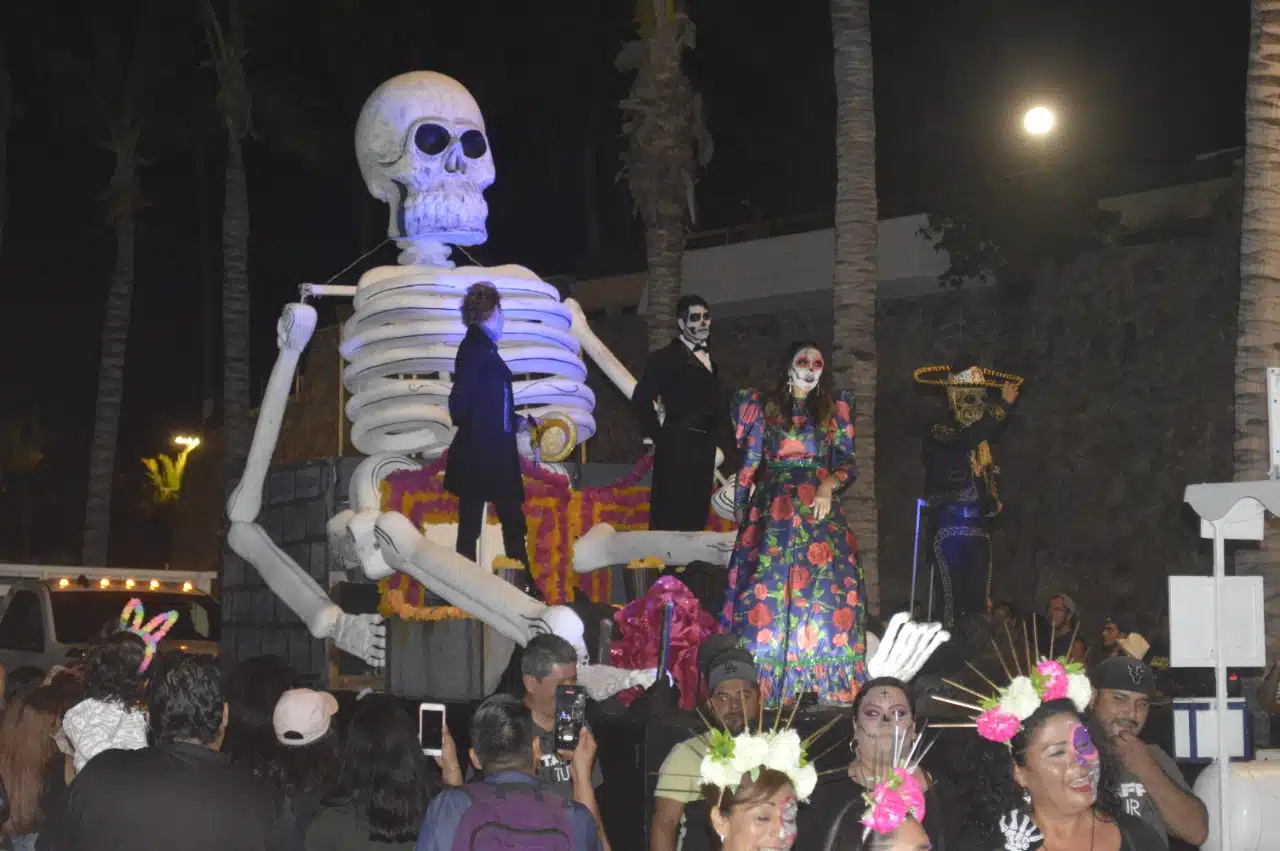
{"type": "Point", "coordinates": [699, 347]}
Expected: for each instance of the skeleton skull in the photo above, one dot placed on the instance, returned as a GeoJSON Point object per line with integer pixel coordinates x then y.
{"type": "Point", "coordinates": [422, 149]}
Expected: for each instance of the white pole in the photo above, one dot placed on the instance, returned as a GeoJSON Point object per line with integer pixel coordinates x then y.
{"type": "Point", "coordinates": [1220, 683]}
{"type": "Point", "coordinates": [319, 290]}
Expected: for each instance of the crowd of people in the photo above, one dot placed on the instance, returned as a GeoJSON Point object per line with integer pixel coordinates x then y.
{"type": "Point", "coordinates": [103, 751]}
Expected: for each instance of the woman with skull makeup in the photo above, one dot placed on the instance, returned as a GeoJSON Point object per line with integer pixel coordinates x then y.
{"type": "Point", "coordinates": [883, 727]}
{"type": "Point", "coordinates": [795, 596]}
{"type": "Point", "coordinates": [1050, 788]}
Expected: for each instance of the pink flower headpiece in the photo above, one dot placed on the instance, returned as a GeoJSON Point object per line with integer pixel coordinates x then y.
{"type": "Point", "coordinates": [898, 795]}
{"type": "Point", "coordinates": [1000, 714]}
{"type": "Point", "coordinates": [152, 633]}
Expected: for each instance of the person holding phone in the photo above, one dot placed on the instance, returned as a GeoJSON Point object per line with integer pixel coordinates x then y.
{"type": "Point", "coordinates": [549, 662]}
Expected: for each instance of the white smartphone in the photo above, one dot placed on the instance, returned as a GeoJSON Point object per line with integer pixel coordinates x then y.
{"type": "Point", "coordinates": [431, 728]}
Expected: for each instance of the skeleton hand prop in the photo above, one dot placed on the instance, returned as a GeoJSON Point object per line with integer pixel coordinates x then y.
{"type": "Point", "coordinates": [1020, 832]}
{"type": "Point", "coordinates": [603, 546]}
{"type": "Point", "coordinates": [905, 648]}
{"type": "Point", "coordinates": [604, 681]}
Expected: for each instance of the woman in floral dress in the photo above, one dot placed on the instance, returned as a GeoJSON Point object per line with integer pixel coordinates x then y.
{"type": "Point", "coordinates": [795, 595]}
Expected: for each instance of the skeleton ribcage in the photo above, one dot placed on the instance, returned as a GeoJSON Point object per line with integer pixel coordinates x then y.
{"type": "Point", "coordinates": [401, 343]}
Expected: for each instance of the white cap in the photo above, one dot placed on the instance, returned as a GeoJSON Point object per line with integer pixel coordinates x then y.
{"type": "Point", "coordinates": [302, 716]}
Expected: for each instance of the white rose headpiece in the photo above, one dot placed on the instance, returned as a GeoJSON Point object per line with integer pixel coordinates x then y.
{"type": "Point", "coordinates": [730, 757]}
{"type": "Point", "coordinates": [1000, 714]}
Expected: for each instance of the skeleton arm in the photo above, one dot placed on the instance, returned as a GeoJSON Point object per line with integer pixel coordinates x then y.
{"type": "Point", "coordinates": [603, 546]}
{"type": "Point", "coordinates": [360, 635]}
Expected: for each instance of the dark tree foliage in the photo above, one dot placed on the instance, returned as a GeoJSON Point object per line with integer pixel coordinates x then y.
{"type": "Point", "coordinates": [1007, 230]}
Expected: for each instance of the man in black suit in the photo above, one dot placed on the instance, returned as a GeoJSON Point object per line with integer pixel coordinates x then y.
{"type": "Point", "coordinates": [685, 379]}
{"type": "Point", "coordinates": [483, 464]}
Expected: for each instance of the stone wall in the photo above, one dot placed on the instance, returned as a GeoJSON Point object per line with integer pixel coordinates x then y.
{"type": "Point", "coordinates": [1127, 354]}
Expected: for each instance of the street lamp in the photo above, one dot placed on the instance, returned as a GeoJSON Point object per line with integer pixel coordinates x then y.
{"type": "Point", "coordinates": [1039, 121]}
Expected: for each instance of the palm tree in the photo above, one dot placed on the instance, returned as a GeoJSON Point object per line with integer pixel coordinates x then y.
{"type": "Point", "coordinates": [6, 121]}
{"type": "Point", "coordinates": [235, 105]}
{"type": "Point", "coordinates": [1258, 327]}
{"type": "Point", "coordinates": [854, 289]}
{"type": "Point", "coordinates": [114, 90]}
{"type": "Point", "coordinates": [667, 143]}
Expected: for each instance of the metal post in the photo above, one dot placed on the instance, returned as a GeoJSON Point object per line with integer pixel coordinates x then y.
{"type": "Point", "coordinates": [1220, 683]}
{"type": "Point", "coordinates": [915, 559]}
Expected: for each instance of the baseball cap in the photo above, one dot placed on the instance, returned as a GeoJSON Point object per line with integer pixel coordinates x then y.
{"type": "Point", "coordinates": [731, 665]}
{"type": "Point", "coordinates": [1120, 673]}
{"type": "Point", "coordinates": [1124, 622]}
{"type": "Point", "coordinates": [303, 716]}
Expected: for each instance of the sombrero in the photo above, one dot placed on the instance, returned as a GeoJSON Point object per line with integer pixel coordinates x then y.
{"type": "Point", "coordinates": [974, 376]}
{"type": "Point", "coordinates": [555, 437]}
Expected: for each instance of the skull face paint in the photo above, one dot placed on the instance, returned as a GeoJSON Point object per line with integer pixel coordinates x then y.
{"type": "Point", "coordinates": [787, 821]}
{"type": "Point", "coordinates": [695, 325]}
{"type": "Point", "coordinates": [806, 370]}
{"type": "Point", "coordinates": [769, 825]}
{"type": "Point", "coordinates": [1085, 754]}
{"type": "Point", "coordinates": [968, 404]}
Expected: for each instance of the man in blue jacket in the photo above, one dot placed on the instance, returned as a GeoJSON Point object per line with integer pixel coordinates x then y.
{"type": "Point", "coordinates": [483, 464]}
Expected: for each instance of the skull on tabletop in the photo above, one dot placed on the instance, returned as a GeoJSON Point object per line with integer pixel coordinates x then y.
{"type": "Point", "coordinates": [422, 149]}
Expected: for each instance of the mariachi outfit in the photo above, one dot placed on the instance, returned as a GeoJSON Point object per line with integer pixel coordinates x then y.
{"type": "Point", "coordinates": [795, 596]}
{"type": "Point", "coordinates": [961, 491]}
{"type": "Point", "coordinates": [684, 442]}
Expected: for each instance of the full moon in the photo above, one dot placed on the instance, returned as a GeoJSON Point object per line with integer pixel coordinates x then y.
{"type": "Point", "coordinates": [1038, 121]}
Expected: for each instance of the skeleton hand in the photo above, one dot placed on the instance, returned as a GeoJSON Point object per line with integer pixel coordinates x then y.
{"type": "Point", "coordinates": [295, 327]}
{"type": "Point", "coordinates": [905, 648]}
{"type": "Point", "coordinates": [1019, 835]}
{"type": "Point", "coordinates": [822, 501]}
{"type": "Point", "coordinates": [363, 636]}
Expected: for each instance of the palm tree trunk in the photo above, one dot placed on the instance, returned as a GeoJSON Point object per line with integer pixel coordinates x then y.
{"type": "Point", "coordinates": [1258, 328]}
{"type": "Point", "coordinates": [6, 120]}
{"type": "Point", "coordinates": [106, 424]}
{"type": "Point", "coordinates": [235, 313]}
{"type": "Point", "coordinates": [854, 287]}
{"type": "Point", "coordinates": [664, 254]}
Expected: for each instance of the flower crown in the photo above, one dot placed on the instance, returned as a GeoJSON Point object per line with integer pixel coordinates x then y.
{"type": "Point", "coordinates": [151, 633]}
{"type": "Point", "coordinates": [729, 757]}
{"type": "Point", "coordinates": [1000, 714]}
{"type": "Point", "coordinates": [898, 795]}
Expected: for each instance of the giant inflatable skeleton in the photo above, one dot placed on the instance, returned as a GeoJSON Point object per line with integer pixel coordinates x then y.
{"type": "Point", "coordinates": [422, 149]}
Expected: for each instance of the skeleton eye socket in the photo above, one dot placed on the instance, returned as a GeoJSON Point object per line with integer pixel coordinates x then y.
{"type": "Point", "coordinates": [699, 316]}
{"type": "Point", "coordinates": [431, 139]}
{"type": "Point", "coordinates": [474, 145]}
{"type": "Point", "coordinates": [816, 363]}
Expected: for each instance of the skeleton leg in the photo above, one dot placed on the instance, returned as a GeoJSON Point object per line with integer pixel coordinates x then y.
{"type": "Point", "coordinates": [362, 635]}
{"type": "Point", "coordinates": [603, 546]}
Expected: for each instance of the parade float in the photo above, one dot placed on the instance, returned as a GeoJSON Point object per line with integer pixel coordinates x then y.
{"type": "Point", "coordinates": [422, 149]}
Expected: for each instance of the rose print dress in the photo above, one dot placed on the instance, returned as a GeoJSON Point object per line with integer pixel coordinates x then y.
{"type": "Point", "coordinates": [795, 596]}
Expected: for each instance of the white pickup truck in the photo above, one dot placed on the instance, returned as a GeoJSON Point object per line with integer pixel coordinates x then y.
{"type": "Point", "coordinates": [51, 613]}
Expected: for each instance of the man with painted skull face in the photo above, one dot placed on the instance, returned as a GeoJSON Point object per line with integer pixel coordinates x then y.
{"type": "Point", "coordinates": [684, 380]}
{"type": "Point", "coordinates": [960, 484]}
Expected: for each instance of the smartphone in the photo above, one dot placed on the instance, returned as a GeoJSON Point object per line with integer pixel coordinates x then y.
{"type": "Point", "coordinates": [431, 728]}
{"type": "Point", "coordinates": [571, 709]}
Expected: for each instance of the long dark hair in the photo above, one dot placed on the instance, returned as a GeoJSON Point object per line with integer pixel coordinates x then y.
{"type": "Point", "coordinates": [818, 406]}
{"type": "Point", "coordinates": [253, 688]}
{"type": "Point", "coordinates": [992, 792]}
{"type": "Point", "coordinates": [384, 772]}
{"type": "Point", "coordinates": [848, 833]}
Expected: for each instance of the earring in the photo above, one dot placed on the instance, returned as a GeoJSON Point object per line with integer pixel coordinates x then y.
{"type": "Point", "coordinates": [1026, 797]}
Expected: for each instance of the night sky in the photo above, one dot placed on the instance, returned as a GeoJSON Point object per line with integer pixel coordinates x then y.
{"type": "Point", "coordinates": [1135, 82]}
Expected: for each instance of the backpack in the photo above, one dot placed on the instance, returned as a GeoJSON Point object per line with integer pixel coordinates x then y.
{"type": "Point", "coordinates": [512, 816]}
